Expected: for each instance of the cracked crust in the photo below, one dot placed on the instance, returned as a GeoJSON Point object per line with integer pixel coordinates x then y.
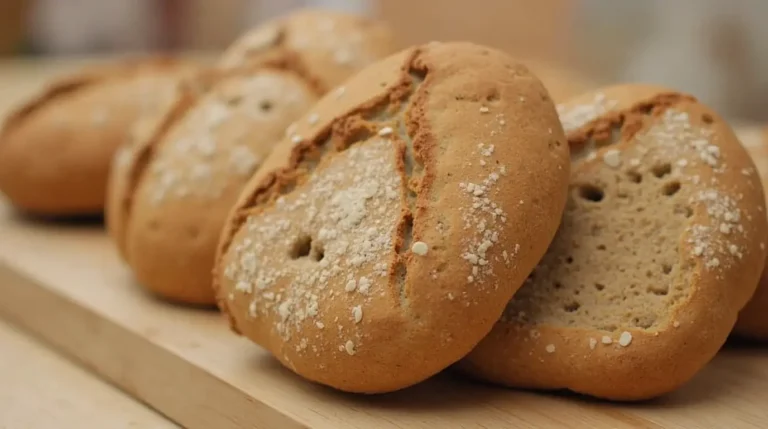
{"type": "Point", "coordinates": [326, 47]}
{"type": "Point", "coordinates": [172, 188]}
{"type": "Point", "coordinates": [55, 151]}
{"type": "Point", "coordinates": [753, 319]}
{"type": "Point", "coordinates": [628, 303]}
{"type": "Point", "coordinates": [400, 222]}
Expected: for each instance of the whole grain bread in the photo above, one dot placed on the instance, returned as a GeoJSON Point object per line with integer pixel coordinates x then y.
{"type": "Point", "coordinates": [172, 188]}
{"type": "Point", "coordinates": [661, 245]}
{"type": "Point", "coordinates": [56, 149]}
{"type": "Point", "coordinates": [378, 244]}
{"type": "Point", "coordinates": [326, 46]}
{"type": "Point", "coordinates": [753, 319]}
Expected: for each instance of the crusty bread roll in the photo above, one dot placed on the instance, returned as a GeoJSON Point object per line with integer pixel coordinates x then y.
{"type": "Point", "coordinates": [56, 150]}
{"type": "Point", "coordinates": [172, 188]}
{"type": "Point", "coordinates": [660, 247]}
{"type": "Point", "coordinates": [753, 319]}
{"type": "Point", "coordinates": [327, 47]}
{"type": "Point", "coordinates": [170, 193]}
{"type": "Point", "coordinates": [382, 238]}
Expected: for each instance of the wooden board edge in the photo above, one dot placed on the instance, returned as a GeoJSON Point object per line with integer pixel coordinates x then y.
{"type": "Point", "coordinates": [144, 370]}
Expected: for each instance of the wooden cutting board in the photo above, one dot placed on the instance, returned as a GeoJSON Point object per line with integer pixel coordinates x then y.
{"type": "Point", "coordinates": [66, 284]}
{"type": "Point", "coordinates": [42, 390]}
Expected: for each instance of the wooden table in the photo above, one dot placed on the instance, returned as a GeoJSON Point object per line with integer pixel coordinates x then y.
{"type": "Point", "coordinates": [42, 390]}
{"type": "Point", "coordinates": [66, 284]}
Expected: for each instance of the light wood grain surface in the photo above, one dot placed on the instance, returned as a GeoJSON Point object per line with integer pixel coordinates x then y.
{"type": "Point", "coordinates": [42, 390]}
{"type": "Point", "coordinates": [66, 283]}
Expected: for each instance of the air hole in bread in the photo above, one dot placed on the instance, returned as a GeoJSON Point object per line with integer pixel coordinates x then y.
{"type": "Point", "coordinates": [558, 285]}
{"type": "Point", "coordinates": [707, 118]}
{"type": "Point", "coordinates": [572, 307]}
{"type": "Point", "coordinates": [671, 188]}
{"type": "Point", "coordinates": [493, 97]}
{"type": "Point", "coordinates": [317, 253]}
{"type": "Point", "coordinates": [591, 193]}
{"type": "Point", "coordinates": [599, 286]}
{"type": "Point", "coordinates": [601, 247]}
{"type": "Point", "coordinates": [661, 170]}
{"type": "Point", "coordinates": [265, 105]}
{"type": "Point", "coordinates": [645, 321]}
{"type": "Point", "coordinates": [305, 247]}
{"type": "Point", "coordinates": [666, 268]}
{"type": "Point", "coordinates": [569, 260]}
{"type": "Point", "coordinates": [301, 247]}
{"type": "Point", "coordinates": [634, 176]}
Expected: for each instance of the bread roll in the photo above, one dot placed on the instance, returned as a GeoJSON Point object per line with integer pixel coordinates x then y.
{"type": "Point", "coordinates": [56, 150]}
{"type": "Point", "coordinates": [381, 239]}
{"type": "Point", "coordinates": [661, 245]}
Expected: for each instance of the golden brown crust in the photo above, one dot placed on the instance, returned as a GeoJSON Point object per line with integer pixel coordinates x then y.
{"type": "Point", "coordinates": [326, 47]}
{"type": "Point", "coordinates": [175, 184]}
{"type": "Point", "coordinates": [134, 155]}
{"type": "Point", "coordinates": [171, 244]}
{"type": "Point", "coordinates": [55, 150]}
{"type": "Point", "coordinates": [720, 254]}
{"type": "Point", "coordinates": [753, 319]}
{"type": "Point", "coordinates": [399, 222]}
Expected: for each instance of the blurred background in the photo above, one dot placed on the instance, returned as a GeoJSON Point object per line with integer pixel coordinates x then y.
{"type": "Point", "coordinates": [715, 49]}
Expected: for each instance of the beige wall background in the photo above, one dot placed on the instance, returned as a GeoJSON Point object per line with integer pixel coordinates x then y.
{"type": "Point", "coordinates": [716, 49]}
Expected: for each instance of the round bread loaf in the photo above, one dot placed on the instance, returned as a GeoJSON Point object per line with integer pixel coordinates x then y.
{"type": "Point", "coordinates": [171, 190]}
{"type": "Point", "coordinates": [380, 242]}
{"type": "Point", "coordinates": [56, 150]}
{"type": "Point", "coordinates": [325, 46]}
{"type": "Point", "coordinates": [661, 245]}
{"type": "Point", "coordinates": [131, 157]}
{"type": "Point", "coordinates": [753, 319]}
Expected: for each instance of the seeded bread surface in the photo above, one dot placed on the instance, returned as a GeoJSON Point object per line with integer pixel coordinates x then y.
{"type": "Point", "coordinates": [753, 319]}
{"type": "Point", "coordinates": [56, 149]}
{"type": "Point", "coordinates": [184, 170]}
{"type": "Point", "coordinates": [327, 47]}
{"type": "Point", "coordinates": [172, 191]}
{"type": "Point", "coordinates": [661, 245]}
{"type": "Point", "coordinates": [379, 244]}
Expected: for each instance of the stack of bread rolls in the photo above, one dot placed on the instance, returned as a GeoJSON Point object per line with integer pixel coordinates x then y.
{"type": "Point", "coordinates": [373, 214]}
